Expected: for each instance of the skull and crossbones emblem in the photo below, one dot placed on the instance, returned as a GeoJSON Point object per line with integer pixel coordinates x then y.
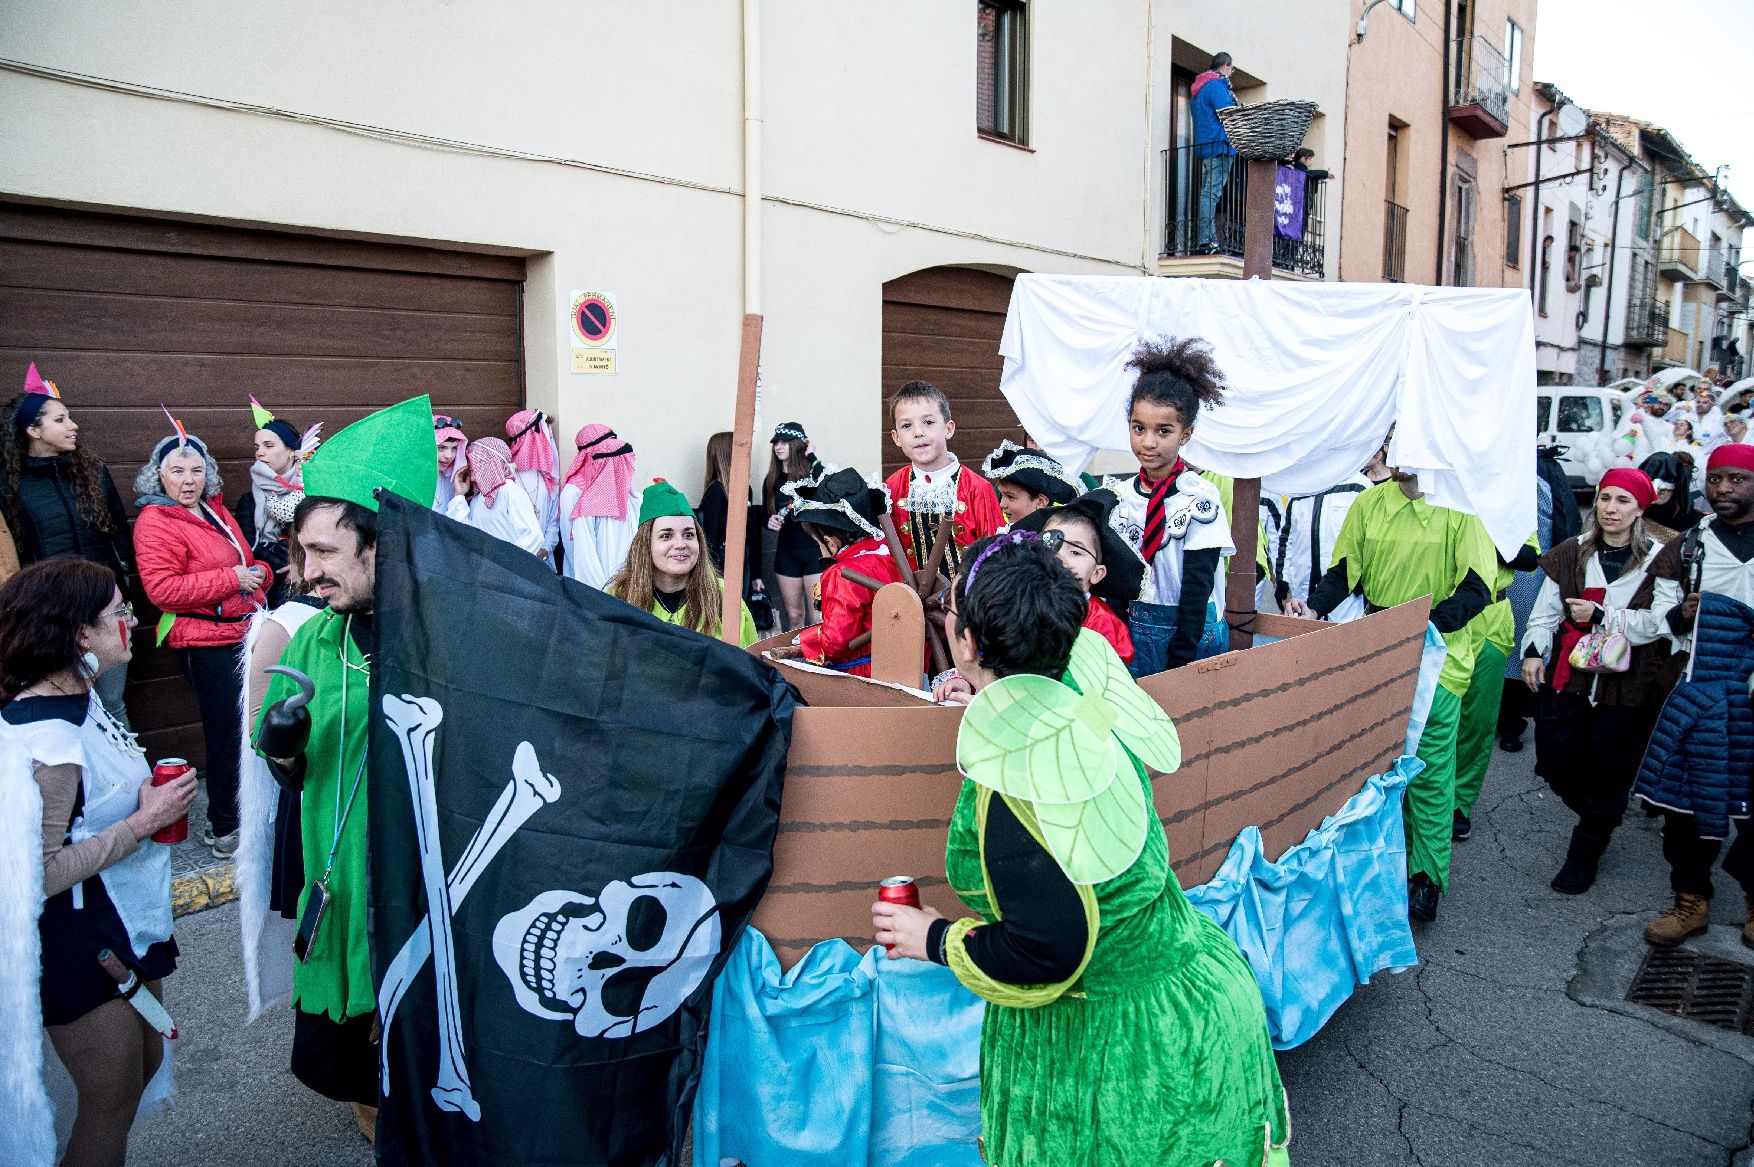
{"type": "Point", "coordinates": [615, 965]}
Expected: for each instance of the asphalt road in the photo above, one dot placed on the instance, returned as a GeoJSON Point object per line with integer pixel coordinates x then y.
{"type": "Point", "coordinates": [1507, 1046]}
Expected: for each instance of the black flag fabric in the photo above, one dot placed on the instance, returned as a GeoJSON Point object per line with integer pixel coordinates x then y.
{"type": "Point", "coordinates": [573, 808]}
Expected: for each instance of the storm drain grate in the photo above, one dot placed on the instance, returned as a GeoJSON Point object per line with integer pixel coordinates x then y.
{"type": "Point", "coordinates": [1697, 987]}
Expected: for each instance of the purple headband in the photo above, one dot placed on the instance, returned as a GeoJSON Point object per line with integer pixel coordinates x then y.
{"type": "Point", "coordinates": [1049, 539]}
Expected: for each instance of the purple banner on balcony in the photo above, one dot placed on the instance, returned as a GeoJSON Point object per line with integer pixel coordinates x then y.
{"type": "Point", "coordinates": [1288, 195]}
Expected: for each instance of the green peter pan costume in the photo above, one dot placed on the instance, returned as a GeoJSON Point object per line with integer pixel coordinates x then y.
{"type": "Point", "coordinates": [1394, 549]}
{"type": "Point", "coordinates": [1155, 1050]}
{"type": "Point", "coordinates": [1479, 717]}
{"type": "Point", "coordinates": [391, 450]}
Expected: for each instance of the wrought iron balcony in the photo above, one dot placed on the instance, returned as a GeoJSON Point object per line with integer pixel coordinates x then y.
{"type": "Point", "coordinates": [1480, 103]}
{"type": "Point", "coordinates": [1394, 242]}
{"type": "Point", "coordinates": [1298, 246]}
{"type": "Point", "coordinates": [1647, 323]}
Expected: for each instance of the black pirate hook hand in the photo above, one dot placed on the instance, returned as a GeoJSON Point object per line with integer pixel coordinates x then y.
{"type": "Point", "coordinates": [286, 730]}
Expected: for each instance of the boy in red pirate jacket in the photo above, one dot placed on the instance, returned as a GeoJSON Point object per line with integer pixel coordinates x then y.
{"type": "Point", "coordinates": [840, 510]}
{"type": "Point", "coordinates": [935, 484]}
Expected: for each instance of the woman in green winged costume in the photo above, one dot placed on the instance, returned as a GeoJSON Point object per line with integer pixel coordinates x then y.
{"type": "Point", "coordinates": [1123, 1028]}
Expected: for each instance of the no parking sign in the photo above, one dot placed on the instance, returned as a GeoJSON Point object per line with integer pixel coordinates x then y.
{"type": "Point", "coordinates": [595, 332]}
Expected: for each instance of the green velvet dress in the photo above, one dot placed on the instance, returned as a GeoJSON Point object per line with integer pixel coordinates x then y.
{"type": "Point", "coordinates": [1156, 1055]}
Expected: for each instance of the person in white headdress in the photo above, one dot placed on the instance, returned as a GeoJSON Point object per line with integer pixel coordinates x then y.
{"type": "Point", "coordinates": [483, 502]}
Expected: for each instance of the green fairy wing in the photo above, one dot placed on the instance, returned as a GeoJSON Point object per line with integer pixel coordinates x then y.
{"type": "Point", "coordinates": [1139, 721]}
{"type": "Point", "coordinates": [1033, 738]}
{"type": "Point", "coordinates": [1042, 742]}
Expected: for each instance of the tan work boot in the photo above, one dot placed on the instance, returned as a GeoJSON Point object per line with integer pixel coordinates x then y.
{"type": "Point", "coordinates": [1688, 917]}
{"type": "Point", "coordinates": [366, 1118]}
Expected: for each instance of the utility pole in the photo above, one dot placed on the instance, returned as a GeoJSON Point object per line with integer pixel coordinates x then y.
{"type": "Point", "coordinates": [1608, 300]}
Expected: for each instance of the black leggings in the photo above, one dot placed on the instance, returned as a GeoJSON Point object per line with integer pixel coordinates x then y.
{"type": "Point", "coordinates": [1589, 755]}
{"type": "Point", "coordinates": [214, 675]}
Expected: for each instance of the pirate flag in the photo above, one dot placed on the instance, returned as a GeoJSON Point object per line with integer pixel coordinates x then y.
{"type": "Point", "coordinates": [572, 814]}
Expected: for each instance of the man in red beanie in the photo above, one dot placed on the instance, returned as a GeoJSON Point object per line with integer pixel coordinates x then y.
{"type": "Point", "coordinates": [1716, 556]}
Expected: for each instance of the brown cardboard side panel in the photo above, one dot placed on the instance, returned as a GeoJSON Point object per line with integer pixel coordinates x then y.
{"type": "Point", "coordinates": [1279, 737]}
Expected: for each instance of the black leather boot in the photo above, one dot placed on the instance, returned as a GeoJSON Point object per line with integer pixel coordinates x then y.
{"type": "Point", "coordinates": [1578, 874]}
{"type": "Point", "coordinates": [1422, 897]}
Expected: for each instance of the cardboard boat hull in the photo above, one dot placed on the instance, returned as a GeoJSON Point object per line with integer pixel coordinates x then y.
{"type": "Point", "coordinates": [1278, 737]}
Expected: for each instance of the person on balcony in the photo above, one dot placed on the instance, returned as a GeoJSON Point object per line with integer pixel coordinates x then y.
{"type": "Point", "coordinates": [1211, 93]}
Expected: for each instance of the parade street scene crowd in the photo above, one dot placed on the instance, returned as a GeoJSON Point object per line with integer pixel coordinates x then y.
{"type": "Point", "coordinates": [607, 590]}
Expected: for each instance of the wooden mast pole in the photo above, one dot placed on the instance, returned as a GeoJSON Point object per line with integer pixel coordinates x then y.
{"type": "Point", "coordinates": [742, 454]}
{"type": "Point", "coordinates": [1245, 499]}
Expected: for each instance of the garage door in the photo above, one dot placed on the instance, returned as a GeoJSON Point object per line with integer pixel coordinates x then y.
{"type": "Point", "coordinates": [943, 325]}
{"type": "Point", "coordinates": [125, 314]}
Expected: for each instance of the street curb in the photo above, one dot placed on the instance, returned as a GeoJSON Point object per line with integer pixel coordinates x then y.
{"type": "Point", "coordinates": [1610, 957]}
{"type": "Point", "coordinates": [209, 887]}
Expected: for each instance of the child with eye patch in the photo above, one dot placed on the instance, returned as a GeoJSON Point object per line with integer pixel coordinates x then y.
{"type": "Point", "coordinates": [1082, 550]}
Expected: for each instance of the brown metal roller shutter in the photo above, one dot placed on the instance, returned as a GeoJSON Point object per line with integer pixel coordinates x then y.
{"type": "Point", "coordinates": [126, 314]}
{"type": "Point", "coordinates": [943, 325]}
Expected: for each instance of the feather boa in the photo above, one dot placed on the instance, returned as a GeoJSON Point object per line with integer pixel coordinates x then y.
{"type": "Point", "coordinates": [267, 935]}
{"type": "Point", "coordinates": [25, 1114]}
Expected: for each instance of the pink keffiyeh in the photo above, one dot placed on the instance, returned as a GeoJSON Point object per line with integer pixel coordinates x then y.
{"type": "Point", "coordinates": [603, 472]}
{"type": "Point", "coordinates": [490, 465]}
{"type": "Point", "coordinates": [533, 445]}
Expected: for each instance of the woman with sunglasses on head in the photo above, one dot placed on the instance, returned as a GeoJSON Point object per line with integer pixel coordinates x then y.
{"type": "Point", "coordinates": [59, 500]}
{"type": "Point", "coordinates": [1122, 1026]}
{"type": "Point", "coordinates": [76, 798]}
{"type": "Point", "coordinates": [448, 433]}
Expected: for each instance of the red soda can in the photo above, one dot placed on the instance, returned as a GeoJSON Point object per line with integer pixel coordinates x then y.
{"type": "Point", "coordinates": [899, 889]}
{"type": "Point", "coordinates": [169, 770]}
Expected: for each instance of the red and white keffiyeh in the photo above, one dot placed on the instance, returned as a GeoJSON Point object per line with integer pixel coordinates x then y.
{"type": "Point", "coordinates": [603, 472]}
{"type": "Point", "coordinates": [533, 446]}
{"type": "Point", "coordinates": [491, 466]}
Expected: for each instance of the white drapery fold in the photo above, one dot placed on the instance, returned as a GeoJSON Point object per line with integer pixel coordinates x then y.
{"type": "Point", "coordinates": [1317, 374]}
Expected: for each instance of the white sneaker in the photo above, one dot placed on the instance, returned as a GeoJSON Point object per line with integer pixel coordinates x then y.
{"type": "Point", "coordinates": [225, 846]}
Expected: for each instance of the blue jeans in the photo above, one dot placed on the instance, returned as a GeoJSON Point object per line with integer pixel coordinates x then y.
{"type": "Point", "coordinates": [1214, 173]}
{"type": "Point", "coordinates": [1153, 626]}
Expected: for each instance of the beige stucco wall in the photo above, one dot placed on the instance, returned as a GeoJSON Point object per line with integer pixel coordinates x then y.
{"type": "Point", "coordinates": [869, 115]}
{"type": "Point", "coordinates": [1397, 72]}
{"type": "Point", "coordinates": [1282, 50]}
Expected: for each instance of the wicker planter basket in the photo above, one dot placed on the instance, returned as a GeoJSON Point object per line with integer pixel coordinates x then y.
{"type": "Point", "coordinates": [1272, 129]}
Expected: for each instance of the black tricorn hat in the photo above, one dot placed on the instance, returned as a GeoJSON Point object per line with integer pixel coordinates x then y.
{"type": "Point", "coordinates": [1033, 470]}
{"type": "Point", "coordinates": [1126, 571]}
{"type": "Point", "coordinates": [840, 499]}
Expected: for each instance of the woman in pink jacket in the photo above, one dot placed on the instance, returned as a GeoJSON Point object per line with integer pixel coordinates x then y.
{"type": "Point", "coordinates": [198, 570]}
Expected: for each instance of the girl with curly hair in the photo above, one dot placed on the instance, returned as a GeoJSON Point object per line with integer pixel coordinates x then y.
{"type": "Point", "coordinates": [1172, 517]}
{"type": "Point", "coordinates": [59, 500]}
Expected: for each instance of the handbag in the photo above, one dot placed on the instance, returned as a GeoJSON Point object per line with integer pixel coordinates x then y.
{"type": "Point", "coordinates": [1604, 649]}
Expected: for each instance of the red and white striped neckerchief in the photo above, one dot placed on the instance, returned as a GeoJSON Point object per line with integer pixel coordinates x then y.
{"type": "Point", "coordinates": [1152, 542]}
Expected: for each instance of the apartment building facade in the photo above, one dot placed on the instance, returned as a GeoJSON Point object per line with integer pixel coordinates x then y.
{"type": "Point", "coordinates": [1435, 92]}
{"type": "Point", "coordinates": [1687, 303]}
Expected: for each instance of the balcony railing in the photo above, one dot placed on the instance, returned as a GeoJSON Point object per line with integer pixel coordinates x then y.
{"type": "Point", "coordinates": [1647, 323]}
{"type": "Point", "coordinates": [1480, 103]}
{"type": "Point", "coordinates": [1716, 271]}
{"type": "Point", "coordinates": [1394, 242]}
{"type": "Point", "coordinates": [1736, 287]}
{"type": "Point", "coordinates": [1678, 254]}
{"type": "Point", "coordinates": [1183, 172]}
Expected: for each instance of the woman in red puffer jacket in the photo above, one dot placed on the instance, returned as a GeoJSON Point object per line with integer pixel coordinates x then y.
{"type": "Point", "coordinates": [197, 568]}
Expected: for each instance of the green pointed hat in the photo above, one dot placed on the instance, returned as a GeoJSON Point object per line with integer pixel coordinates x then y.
{"type": "Point", "coordinates": [391, 449]}
{"type": "Point", "coordinates": [660, 500]}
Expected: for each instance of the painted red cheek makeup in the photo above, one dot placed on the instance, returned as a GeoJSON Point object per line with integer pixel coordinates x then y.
{"type": "Point", "coordinates": [122, 631]}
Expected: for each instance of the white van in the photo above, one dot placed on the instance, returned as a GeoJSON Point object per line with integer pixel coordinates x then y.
{"type": "Point", "coordinates": [1579, 418]}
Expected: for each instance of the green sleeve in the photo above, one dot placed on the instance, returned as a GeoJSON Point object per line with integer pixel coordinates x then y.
{"type": "Point", "coordinates": [1349, 547]}
{"type": "Point", "coordinates": [747, 635]}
